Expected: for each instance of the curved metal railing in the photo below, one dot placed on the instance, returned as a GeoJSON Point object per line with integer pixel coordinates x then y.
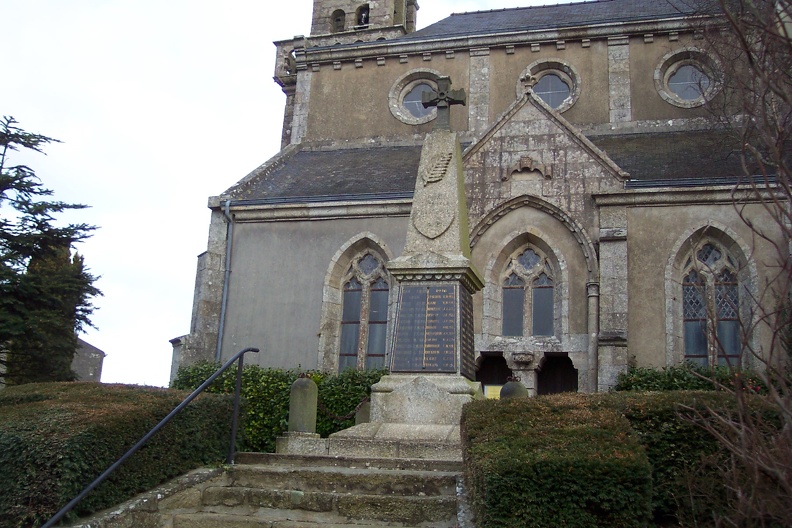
{"type": "Point", "coordinates": [239, 356]}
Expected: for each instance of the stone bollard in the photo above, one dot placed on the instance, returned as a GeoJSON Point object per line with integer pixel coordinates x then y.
{"type": "Point", "coordinates": [302, 406]}
{"type": "Point", "coordinates": [513, 389]}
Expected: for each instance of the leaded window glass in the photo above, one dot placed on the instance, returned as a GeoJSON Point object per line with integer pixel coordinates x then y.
{"type": "Point", "coordinates": [552, 90]}
{"type": "Point", "coordinates": [528, 312]}
{"type": "Point", "coordinates": [413, 101]}
{"type": "Point", "coordinates": [688, 82]}
{"type": "Point", "coordinates": [364, 312]}
{"type": "Point", "coordinates": [710, 307]}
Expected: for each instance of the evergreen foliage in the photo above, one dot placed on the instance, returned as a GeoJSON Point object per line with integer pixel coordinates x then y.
{"type": "Point", "coordinates": [688, 377]}
{"type": "Point", "coordinates": [605, 460]}
{"type": "Point", "coordinates": [56, 438]}
{"type": "Point", "coordinates": [45, 292]}
{"type": "Point", "coordinates": [266, 393]}
{"type": "Point", "coordinates": [563, 460]}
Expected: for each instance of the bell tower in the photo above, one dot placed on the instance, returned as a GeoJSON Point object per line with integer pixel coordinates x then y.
{"type": "Point", "coordinates": [344, 16]}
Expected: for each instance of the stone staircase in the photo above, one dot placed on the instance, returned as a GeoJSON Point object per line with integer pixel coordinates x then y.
{"type": "Point", "coordinates": [289, 491]}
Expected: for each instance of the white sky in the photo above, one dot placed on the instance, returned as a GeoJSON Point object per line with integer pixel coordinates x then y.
{"type": "Point", "coordinates": [159, 104]}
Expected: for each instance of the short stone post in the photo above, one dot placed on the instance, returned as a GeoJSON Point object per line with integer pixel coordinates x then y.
{"type": "Point", "coordinates": [301, 438]}
{"type": "Point", "coordinates": [513, 389]}
{"type": "Point", "coordinates": [363, 414]}
{"type": "Point", "coordinates": [302, 406]}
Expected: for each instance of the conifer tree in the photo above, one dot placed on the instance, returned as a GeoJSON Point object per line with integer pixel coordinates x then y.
{"type": "Point", "coordinates": [45, 292]}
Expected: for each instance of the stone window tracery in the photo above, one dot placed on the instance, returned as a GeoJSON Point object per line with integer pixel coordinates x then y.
{"type": "Point", "coordinates": [364, 313]}
{"type": "Point", "coordinates": [686, 77]}
{"type": "Point", "coordinates": [552, 89]}
{"type": "Point", "coordinates": [711, 306]}
{"type": "Point", "coordinates": [528, 294]}
{"type": "Point", "coordinates": [556, 82]}
{"type": "Point", "coordinates": [413, 100]}
{"type": "Point", "coordinates": [404, 99]}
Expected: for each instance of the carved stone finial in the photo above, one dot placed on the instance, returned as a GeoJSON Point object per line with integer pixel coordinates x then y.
{"type": "Point", "coordinates": [528, 81]}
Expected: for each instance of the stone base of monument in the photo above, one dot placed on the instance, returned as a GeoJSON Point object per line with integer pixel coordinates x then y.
{"type": "Point", "coordinates": [301, 444]}
{"type": "Point", "coordinates": [413, 416]}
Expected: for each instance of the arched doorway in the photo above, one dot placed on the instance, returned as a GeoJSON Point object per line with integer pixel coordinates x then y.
{"type": "Point", "coordinates": [557, 374]}
{"type": "Point", "coordinates": [493, 373]}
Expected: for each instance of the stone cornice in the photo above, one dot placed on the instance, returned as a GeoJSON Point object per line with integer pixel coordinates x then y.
{"type": "Point", "coordinates": [464, 275]}
{"type": "Point", "coordinates": [329, 54]}
{"type": "Point", "coordinates": [252, 212]}
{"type": "Point", "coordinates": [687, 196]}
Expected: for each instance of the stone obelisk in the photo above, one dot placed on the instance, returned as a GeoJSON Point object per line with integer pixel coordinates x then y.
{"type": "Point", "coordinates": [415, 410]}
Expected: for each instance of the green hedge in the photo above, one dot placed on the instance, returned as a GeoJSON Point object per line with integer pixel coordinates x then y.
{"type": "Point", "coordinates": [582, 460]}
{"type": "Point", "coordinates": [688, 377]}
{"type": "Point", "coordinates": [266, 392]}
{"type": "Point", "coordinates": [676, 446]}
{"type": "Point", "coordinates": [55, 438]}
{"type": "Point", "coordinates": [685, 458]}
{"type": "Point", "coordinates": [564, 460]}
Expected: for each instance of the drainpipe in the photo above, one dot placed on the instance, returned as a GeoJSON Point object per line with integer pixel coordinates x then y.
{"type": "Point", "coordinates": [224, 302]}
{"type": "Point", "coordinates": [593, 329]}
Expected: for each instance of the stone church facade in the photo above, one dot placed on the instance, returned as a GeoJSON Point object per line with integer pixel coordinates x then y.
{"type": "Point", "coordinates": [601, 214]}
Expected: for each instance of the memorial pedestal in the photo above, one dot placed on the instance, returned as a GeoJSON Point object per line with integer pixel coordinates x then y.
{"type": "Point", "coordinates": [413, 416]}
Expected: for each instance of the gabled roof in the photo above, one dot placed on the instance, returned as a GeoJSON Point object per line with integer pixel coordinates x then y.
{"type": "Point", "coordinates": [534, 105]}
{"type": "Point", "coordinates": [554, 16]}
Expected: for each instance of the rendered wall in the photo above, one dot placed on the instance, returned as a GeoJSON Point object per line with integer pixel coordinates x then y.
{"type": "Point", "coordinates": [277, 278]}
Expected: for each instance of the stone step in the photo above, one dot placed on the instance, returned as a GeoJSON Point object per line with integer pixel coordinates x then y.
{"type": "Point", "coordinates": [266, 503]}
{"type": "Point", "coordinates": [314, 461]}
{"type": "Point", "coordinates": [211, 520]}
{"type": "Point", "coordinates": [345, 480]}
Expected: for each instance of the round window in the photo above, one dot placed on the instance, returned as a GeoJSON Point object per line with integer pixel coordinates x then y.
{"type": "Point", "coordinates": [552, 90]}
{"type": "Point", "coordinates": [688, 82]}
{"type": "Point", "coordinates": [555, 82]}
{"type": "Point", "coordinates": [406, 93]}
{"type": "Point", "coordinates": [413, 100]}
{"type": "Point", "coordinates": [685, 77]}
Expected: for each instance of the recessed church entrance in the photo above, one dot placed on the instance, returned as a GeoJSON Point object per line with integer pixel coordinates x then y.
{"type": "Point", "coordinates": [558, 374]}
{"type": "Point", "coordinates": [493, 373]}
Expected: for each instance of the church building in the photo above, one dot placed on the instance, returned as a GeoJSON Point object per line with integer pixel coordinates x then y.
{"type": "Point", "coordinates": [601, 215]}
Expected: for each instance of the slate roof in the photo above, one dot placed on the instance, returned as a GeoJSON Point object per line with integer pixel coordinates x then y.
{"type": "Point", "coordinates": [553, 16]}
{"type": "Point", "coordinates": [672, 159]}
{"type": "Point", "coordinates": [326, 174]}
{"type": "Point", "coordinates": [675, 158]}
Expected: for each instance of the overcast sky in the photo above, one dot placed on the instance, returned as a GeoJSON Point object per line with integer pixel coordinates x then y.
{"type": "Point", "coordinates": [159, 104]}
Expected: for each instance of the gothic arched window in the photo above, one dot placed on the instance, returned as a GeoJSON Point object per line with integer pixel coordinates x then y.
{"type": "Point", "coordinates": [364, 314]}
{"type": "Point", "coordinates": [528, 295]}
{"type": "Point", "coordinates": [710, 307]}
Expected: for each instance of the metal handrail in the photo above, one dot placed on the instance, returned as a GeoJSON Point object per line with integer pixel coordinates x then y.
{"type": "Point", "coordinates": [234, 422]}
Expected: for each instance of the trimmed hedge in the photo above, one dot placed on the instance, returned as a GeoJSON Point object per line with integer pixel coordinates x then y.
{"type": "Point", "coordinates": [675, 445]}
{"type": "Point", "coordinates": [685, 458]}
{"type": "Point", "coordinates": [266, 392]}
{"type": "Point", "coordinates": [688, 377]}
{"type": "Point", "coordinates": [599, 460]}
{"type": "Point", "coordinates": [563, 460]}
{"type": "Point", "coordinates": [55, 438]}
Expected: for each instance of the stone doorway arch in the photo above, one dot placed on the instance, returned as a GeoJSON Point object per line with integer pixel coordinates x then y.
{"type": "Point", "coordinates": [556, 374]}
{"type": "Point", "coordinates": [492, 373]}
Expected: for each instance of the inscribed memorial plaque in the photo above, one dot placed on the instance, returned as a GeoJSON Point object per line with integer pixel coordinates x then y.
{"type": "Point", "coordinates": [426, 333]}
